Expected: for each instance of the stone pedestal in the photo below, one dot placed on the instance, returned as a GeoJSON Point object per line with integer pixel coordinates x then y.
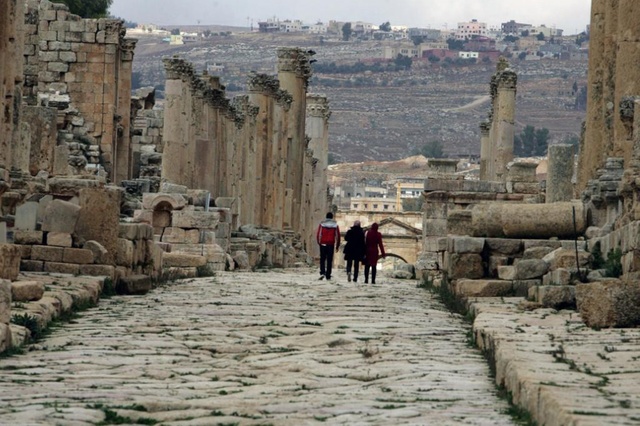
{"type": "Point", "coordinates": [560, 173]}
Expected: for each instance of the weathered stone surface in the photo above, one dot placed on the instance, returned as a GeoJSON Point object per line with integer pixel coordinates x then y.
{"type": "Point", "coordinates": [26, 216]}
{"type": "Point", "coordinates": [521, 287]}
{"type": "Point", "coordinates": [564, 258]}
{"type": "Point", "coordinates": [100, 254]}
{"type": "Point", "coordinates": [530, 268]}
{"type": "Point", "coordinates": [536, 252]}
{"type": "Point", "coordinates": [507, 272]}
{"type": "Point", "coordinates": [97, 270]}
{"type": "Point", "coordinates": [483, 288]}
{"type": "Point", "coordinates": [558, 276]}
{"type": "Point", "coordinates": [26, 291]}
{"type": "Point", "coordinates": [612, 303]}
{"type": "Point", "coordinates": [62, 268]}
{"type": "Point", "coordinates": [241, 260]}
{"type": "Point", "coordinates": [504, 245]}
{"type": "Point", "coordinates": [10, 257]}
{"type": "Point", "coordinates": [59, 239]}
{"type": "Point", "coordinates": [61, 216]}
{"type": "Point", "coordinates": [99, 218]}
{"type": "Point", "coordinates": [32, 265]}
{"type": "Point", "coordinates": [134, 284]}
{"type": "Point", "coordinates": [5, 301]}
{"type": "Point", "coordinates": [182, 260]}
{"type": "Point", "coordinates": [466, 265]}
{"type": "Point", "coordinates": [79, 256]}
{"type": "Point", "coordinates": [163, 201]}
{"type": "Point", "coordinates": [47, 253]}
{"type": "Point", "coordinates": [125, 252]}
{"type": "Point", "coordinates": [554, 296]}
{"type": "Point", "coordinates": [28, 237]}
{"type": "Point", "coordinates": [466, 245]}
{"type": "Point", "coordinates": [195, 219]}
{"type": "Point", "coordinates": [494, 263]}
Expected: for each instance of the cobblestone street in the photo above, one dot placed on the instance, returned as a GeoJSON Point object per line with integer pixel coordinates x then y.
{"type": "Point", "coordinates": [256, 348]}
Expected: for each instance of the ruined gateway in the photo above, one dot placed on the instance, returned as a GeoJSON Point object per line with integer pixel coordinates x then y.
{"type": "Point", "coordinates": [86, 188]}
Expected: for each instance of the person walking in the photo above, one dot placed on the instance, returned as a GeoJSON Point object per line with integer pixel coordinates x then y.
{"type": "Point", "coordinates": [373, 242]}
{"type": "Point", "coordinates": [354, 250]}
{"type": "Point", "coordinates": [328, 237]}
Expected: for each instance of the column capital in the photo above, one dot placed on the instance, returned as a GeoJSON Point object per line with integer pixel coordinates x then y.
{"type": "Point", "coordinates": [295, 60]}
{"type": "Point", "coordinates": [318, 106]}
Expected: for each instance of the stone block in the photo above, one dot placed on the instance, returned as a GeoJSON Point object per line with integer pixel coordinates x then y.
{"type": "Point", "coordinates": [504, 246]}
{"type": "Point", "coordinates": [507, 272]}
{"type": "Point", "coordinates": [6, 337]}
{"type": "Point", "coordinates": [560, 276]}
{"type": "Point", "coordinates": [100, 218]}
{"type": "Point", "coordinates": [164, 201]}
{"type": "Point", "coordinates": [192, 236]}
{"type": "Point", "coordinates": [466, 245]}
{"type": "Point", "coordinates": [79, 256]}
{"type": "Point", "coordinates": [134, 284]}
{"type": "Point", "coordinates": [466, 265]}
{"type": "Point", "coordinates": [195, 219]}
{"type": "Point", "coordinates": [536, 252]}
{"type": "Point", "coordinates": [26, 216]}
{"type": "Point", "coordinates": [483, 288]}
{"type": "Point", "coordinates": [494, 263]}
{"type": "Point", "coordinates": [28, 237]}
{"type": "Point", "coordinates": [555, 296]}
{"type": "Point", "coordinates": [213, 252]}
{"type": "Point", "coordinates": [100, 254]}
{"type": "Point", "coordinates": [61, 216]}
{"type": "Point", "coordinates": [5, 301]}
{"type": "Point", "coordinates": [10, 256]}
{"type": "Point", "coordinates": [611, 303]}
{"type": "Point", "coordinates": [435, 244]}
{"type": "Point", "coordinates": [128, 231]}
{"type": "Point", "coordinates": [174, 235]}
{"type": "Point", "coordinates": [26, 291]}
{"type": "Point", "coordinates": [47, 253]}
{"type": "Point", "coordinates": [3, 232]}
{"type": "Point", "coordinates": [563, 258]}
{"type": "Point", "coordinates": [530, 268]}
{"type": "Point", "coordinates": [521, 287]}
{"type": "Point", "coordinates": [61, 268]}
{"type": "Point", "coordinates": [25, 251]}
{"type": "Point", "coordinates": [98, 271]}
{"type": "Point", "coordinates": [59, 239]}
{"type": "Point", "coordinates": [32, 265]}
{"type": "Point", "coordinates": [241, 260]}
{"type": "Point", "coordinates": [124, 252]}
{"type": "Point", "coordinates": [175, 273]}
{"type": "Point", "coordinates": [182, 260]}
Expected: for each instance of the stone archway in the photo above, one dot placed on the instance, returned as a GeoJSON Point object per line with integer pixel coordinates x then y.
{"type": "Point", "coordinates": [161, 217]}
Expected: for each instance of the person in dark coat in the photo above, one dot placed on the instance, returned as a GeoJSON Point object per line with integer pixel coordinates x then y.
{"type": "Point", "coordinates": [373, 242]}
{"type": "Point", "coordinates": [354, 250]}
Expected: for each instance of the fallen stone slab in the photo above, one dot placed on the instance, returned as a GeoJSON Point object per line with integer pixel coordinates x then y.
{"type": "Point", "coordinates": [611, 303]}
{"type": "Point", "coordinates": [483, 288]}
{"type": "Point", "coordinates": [554, 296]}
{"type": "Point", "coordinates": [182, 260]}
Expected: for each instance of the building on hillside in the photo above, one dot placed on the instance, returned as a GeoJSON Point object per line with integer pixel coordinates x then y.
{"type": "Point", "coordinates": [480, 44]}
{"type": "Point", "coordinates": [289, 26]}
{"type": "Point", "coordinates": [176, 40]}
{"type": "Point", "coordinates": [468, 55]}
{"type": "Point", "coordinates": [548, 32]}
{"type": "Point", "coordinates": [530, 43]}
{"type": "Point", "coordinates": [427, 34]}
{"type": "Point", "coordinates": [392, 50]}
{"type": "Point", "coordinates": [269, 26]}
{"type": "Point", "coordinates": [373, 204]}
{"type": "Point", "coordinates": [514, 28]}
{"type": "Point", "coordinates": [317, 28]}
{"type": "Point", "coordinates": [469, 30]}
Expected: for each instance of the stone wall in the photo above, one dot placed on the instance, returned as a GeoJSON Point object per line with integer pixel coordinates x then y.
{"type": "Point", "coordinates": [613, 86]}
{"type": "Point", "coordinates": [82, 69]}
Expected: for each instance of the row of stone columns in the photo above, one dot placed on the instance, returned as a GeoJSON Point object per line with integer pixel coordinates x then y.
{"type": "Point", "coordinates": [613, 85]}
{"type": "Point", "coordinates": [254, 149]}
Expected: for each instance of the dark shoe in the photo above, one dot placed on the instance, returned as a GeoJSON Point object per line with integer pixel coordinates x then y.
{"type": "Point", "coordinates": [366, 282]}
{"type": "Point", "coordinates": [328, 277]}
{"type": "Point", "coordinates": [349, 276]}
{"type": "Point", "coordinates": [321, 277]}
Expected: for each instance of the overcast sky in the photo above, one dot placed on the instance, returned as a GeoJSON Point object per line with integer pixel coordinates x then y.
{"type": "Point", "coordinates": [570, 15]}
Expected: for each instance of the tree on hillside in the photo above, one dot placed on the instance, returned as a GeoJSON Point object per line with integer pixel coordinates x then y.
{"type": "Point", "coordinates": [531, 142]}
{"type": "Point", "coordinates": [510, 38]}
{"type": "Point", "coordinates": [522, 55]}
{"type": "Point", "coordinates": [525, 33]}
{"type": "Point", "coordinates": [433, 149]}
{"type": "Point", "coordinates": [386, 27]}
{"type": "Point", "coordinates": [540, 36]}
{"type": "Point", "coordinates": [403, 62]}
{"type": "Point", "coordinates": [88, 8]}
{"type": "Point", "coordinates": [346, 31]}
{"type": "Point", "coordinates": [175, 31]}
{"type": "Point", "coordinates": [454, 44]}
{"type": "Point", "coordinates": [581, 99]}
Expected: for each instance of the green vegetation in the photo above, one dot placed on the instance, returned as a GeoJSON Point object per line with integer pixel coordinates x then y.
{"type": "Point", "coordinates": [347, 31]}
{"type": "Point", "coordinates": [531, 142]}
{"type": "Point", "coordinates": [433, 149]}
{"type": "Point", "coordinates": [88, 8]}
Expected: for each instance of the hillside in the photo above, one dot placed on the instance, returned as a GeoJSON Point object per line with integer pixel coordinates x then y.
{"type": "Point", "coordinates": [386, 115]}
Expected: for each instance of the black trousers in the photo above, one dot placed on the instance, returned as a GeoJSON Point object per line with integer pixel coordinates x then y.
{"type": "Point", "coordinates": [326, 260]}
{"type": "Point", "coordinates": [356, 268]}
{"type": "Point", "coordinates": [373, 273]}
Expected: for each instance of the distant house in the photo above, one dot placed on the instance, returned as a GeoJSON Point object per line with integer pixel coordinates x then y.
{"type": "Point", "coordinates": [427, 34]}
{"type": "Point", "coordinates": [469, 30]}
{"type": "Point", "coordinates": [480, 44]}
{"type": "Point", "coordinates": [176, 39]}
{"type": "Point", "coordinates": [514, 28]}
{"type": "Point", "coordinates": [468, 55]}
{"type": "Point", "coordinates": [269, 26]}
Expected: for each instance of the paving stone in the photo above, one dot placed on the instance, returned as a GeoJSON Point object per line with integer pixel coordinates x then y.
{"type": "Point", "coordinates": [258, 348]}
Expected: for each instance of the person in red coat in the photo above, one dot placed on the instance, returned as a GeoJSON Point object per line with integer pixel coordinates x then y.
{"type": "Point", "coordinates": [373, 242]}
{"type": "Point", "coordinates": [328, 238]}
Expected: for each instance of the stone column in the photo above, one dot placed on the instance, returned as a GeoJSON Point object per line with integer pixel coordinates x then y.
{"type": "Point", "coordinates": [317, 126]}
{"type": "Point", "coordinates": [123, 156]}
{"type": "Point", "coordinates": [174, 158]}
{"type": "Point", "coordinates": [560, 173]}
{"type": "Point", "coordinates": [294, 72]}
{"type": "Point", "coordinates": [485, 149]}
{"type": "Point", "coordinates": [627, 82]}
{"type": "Point", "coordinates": [11, 60]}
{"type": "Point", "coordinates": [505, 121]}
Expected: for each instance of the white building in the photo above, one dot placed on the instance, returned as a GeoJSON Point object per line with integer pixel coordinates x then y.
{"type": "Point", "coordinates": [468, 55]}
{"type": "Point", "coordinates": [467, 30]}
